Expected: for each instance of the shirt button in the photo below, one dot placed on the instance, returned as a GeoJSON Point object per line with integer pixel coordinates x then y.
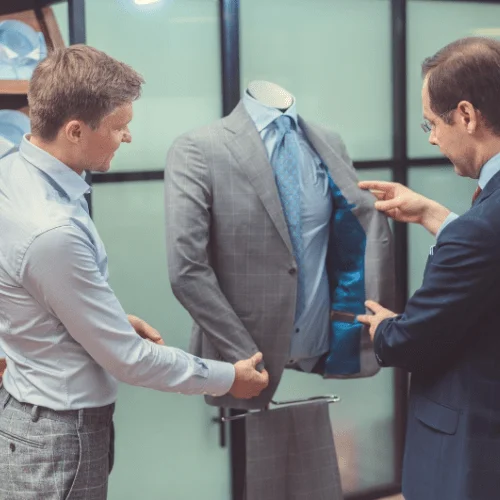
{"type": "Point", "coordinates": [292, 271]}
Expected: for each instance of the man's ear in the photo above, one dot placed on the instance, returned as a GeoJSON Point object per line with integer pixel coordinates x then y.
{"type": "Point", "coordinates": [73, 131]}
{"type": "Point", "coordinates": [468, 115]}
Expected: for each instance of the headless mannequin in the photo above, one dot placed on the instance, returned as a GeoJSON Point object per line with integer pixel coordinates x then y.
{"type": "Point", "coordinates": [270, 94]}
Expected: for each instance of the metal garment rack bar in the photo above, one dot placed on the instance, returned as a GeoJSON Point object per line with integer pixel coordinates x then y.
{"type": "Point", "coordinates": [293, 402]}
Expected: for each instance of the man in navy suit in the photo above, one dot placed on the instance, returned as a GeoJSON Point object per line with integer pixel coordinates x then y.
{"type": "Point", "coordinates": [448, 337]}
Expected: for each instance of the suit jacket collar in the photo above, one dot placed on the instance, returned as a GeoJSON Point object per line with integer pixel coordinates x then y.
{"type": "Point", "coordinates": [490, 188]}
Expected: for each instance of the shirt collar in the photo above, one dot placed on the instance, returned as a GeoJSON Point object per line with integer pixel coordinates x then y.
{"type": "Point", "coordinates": [68, 180]}
{"type": "Point", "coordinates": [490, 168]}
{"type": "Point", "coordinates": [263, 115]}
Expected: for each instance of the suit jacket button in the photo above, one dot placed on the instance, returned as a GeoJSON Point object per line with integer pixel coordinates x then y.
{"type": "Point", "coordinates": [292, 271]}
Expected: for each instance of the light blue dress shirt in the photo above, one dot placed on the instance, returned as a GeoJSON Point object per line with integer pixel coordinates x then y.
{"type": "Point", "coordinates": [311, 332]}
{"type": "Point", "coordinates": [67, 339]}
{"type": "Point", "coordinates": [490, 168]}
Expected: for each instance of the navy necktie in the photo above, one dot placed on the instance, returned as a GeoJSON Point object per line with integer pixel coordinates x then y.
{"type": "Point", "coordinates": [285, 163]}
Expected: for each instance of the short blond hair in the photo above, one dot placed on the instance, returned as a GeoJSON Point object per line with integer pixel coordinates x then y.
{"type": "Point", "coordinates": [78, 82]}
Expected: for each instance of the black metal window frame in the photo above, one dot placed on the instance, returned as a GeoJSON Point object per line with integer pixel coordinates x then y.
{"type": "Point", "coordinates": [399, 165]}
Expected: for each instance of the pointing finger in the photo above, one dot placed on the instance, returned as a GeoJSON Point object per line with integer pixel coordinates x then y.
{"type": "Point", "coordinates": [373, 306]}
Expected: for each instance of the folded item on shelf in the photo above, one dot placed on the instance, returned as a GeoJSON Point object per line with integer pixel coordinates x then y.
{"type": "Point", "coordinates": [21, 49]}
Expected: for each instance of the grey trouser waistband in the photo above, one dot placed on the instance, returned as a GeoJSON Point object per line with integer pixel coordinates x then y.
{"type": "Point", "coordinates": [101, 415]}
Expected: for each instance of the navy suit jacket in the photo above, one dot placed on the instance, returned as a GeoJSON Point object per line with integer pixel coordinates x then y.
{"type": "Point", "coordinates": [449, 339]}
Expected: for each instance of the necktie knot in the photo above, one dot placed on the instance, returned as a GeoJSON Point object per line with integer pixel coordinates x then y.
{"type": "Point", "coordinates": [284, 124]}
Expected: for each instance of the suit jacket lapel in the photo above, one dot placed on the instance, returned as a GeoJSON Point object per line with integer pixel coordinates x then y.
{"type": "Point", "coordinates": [248, 150]}
{"type": "Point", "coordinates": [342, 177]}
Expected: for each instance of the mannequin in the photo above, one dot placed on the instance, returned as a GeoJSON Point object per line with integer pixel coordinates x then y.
{"type": "Point", "coordinates": [270, 94]}
{"type": "Point", "coordinates": [229, 241]}
{"type": "Point", "coordinates": [231, 265]}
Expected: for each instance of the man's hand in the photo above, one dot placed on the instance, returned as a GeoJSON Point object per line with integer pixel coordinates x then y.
{"type": "Point", "coordinates": [404, 205]}
{"type": "Point", "coordinates": [248, 382]}
{"type": "Point", "coordinates": [144, 330]}
{"type": "Point", "coordinates": [379, 315]}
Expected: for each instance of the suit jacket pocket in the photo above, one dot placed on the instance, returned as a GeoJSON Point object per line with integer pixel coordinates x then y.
{"type": "Point", "coordinates": [436, 416]}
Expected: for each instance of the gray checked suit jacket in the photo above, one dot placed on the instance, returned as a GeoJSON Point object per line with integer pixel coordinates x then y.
{"type": "Point", "coordinates": [230, 257]}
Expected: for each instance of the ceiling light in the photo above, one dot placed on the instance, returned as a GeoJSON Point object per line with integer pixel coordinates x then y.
{"type": "Point", "coordinates": [145, 2]}
{"type": "Point", "coordinates": [487, 32]}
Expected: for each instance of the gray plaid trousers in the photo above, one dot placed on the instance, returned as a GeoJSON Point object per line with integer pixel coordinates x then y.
{"type": "Point", "coordinates": [291, 455]}
{"type": "Point", "coordinates": [52, 455]}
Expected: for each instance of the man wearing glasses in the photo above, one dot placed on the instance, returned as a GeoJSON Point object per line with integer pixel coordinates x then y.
{"type": "Point", "coordinates": [448, 336]}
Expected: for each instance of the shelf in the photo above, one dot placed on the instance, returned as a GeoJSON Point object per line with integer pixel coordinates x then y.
{"type": "Point", "coordinates": [13, 87]}
{"type": "Point", "coordinates": [13, 6]}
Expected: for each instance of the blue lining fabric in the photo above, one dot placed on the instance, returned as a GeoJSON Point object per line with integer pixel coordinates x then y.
{"type": "Point", "coordinates": [347, 285]}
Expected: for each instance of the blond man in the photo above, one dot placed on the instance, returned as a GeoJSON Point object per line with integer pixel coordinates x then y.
{"type": "Point", "coordinates": [67, 339]}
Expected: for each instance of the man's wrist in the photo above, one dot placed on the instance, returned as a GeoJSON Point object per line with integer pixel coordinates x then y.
{"type": "Point", "coordinates": [433, 217]}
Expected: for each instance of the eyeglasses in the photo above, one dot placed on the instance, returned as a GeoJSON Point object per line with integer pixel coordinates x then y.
{"type": "Point", "coordinates": [427, 126]}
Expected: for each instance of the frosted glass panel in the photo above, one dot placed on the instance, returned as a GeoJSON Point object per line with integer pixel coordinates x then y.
{"type": "Point", "coordinates": [176, 48]}
{"type": "Point", "coordinates": [334, 56]}
{"type": "Point", "coordinates": [446, 187]}
{"type": "Point", "coordinates": [431, 26]}
{"type": "Point", "coordinates": [374, 174]}
{"type": "Point", "coordinates": [167, 446]}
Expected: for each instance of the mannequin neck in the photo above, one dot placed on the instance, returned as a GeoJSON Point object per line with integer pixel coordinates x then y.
{"type": "Point", "coordinates": [270, 94]}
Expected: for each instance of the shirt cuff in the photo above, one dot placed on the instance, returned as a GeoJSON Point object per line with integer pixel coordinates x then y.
{"type": "Point", "coordinates": [451, 217]}
{"type": "Point", "coordinates": [220, 377]}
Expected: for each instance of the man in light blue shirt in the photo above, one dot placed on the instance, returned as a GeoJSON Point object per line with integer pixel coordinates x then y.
{"type": "Point", "coordinates": [66, 337]}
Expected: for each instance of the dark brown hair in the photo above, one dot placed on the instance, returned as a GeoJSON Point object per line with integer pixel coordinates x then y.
{"type": "Point", "coordinates": [466, 70]}
{"type": "Point", "coordinates": [81, 83]}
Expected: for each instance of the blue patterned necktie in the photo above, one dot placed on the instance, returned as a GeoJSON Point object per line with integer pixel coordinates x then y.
{"type": "Point", "coordinates": [285, 163]}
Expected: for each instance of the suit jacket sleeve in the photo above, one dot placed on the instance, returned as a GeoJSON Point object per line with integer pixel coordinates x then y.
{"type": "Point", "coordinates": [440, 317]}
{"type": "Point", "coordinates": [188, 195]}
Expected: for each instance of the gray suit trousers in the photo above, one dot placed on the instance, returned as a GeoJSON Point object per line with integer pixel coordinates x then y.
{"type": "Point", "coordinates": [290, 455]}
{"type": "Point", "coordinates": [51, 455]}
